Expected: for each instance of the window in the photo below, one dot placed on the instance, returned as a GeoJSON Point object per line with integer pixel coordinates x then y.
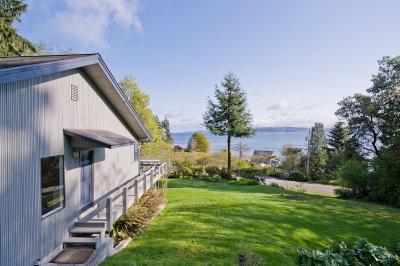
{"type": "Point", "coordinates": [52, 184]}
{"type": "Point", "coordinates": [136, 152]}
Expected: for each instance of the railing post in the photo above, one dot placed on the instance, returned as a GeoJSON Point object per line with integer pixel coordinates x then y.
{"type": "Point", "coordinates": [136, 191]}
{"type": "Point", "coordinates": [145, 184]}
{"type": "Point", "coordinates": [109, 214]}
{"type": "Point", "coordinates": [151, 178]}
{"type": "Point", "coordinates": [124, 200]}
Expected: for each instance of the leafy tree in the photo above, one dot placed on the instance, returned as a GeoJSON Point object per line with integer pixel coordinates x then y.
{"type": "Point", "coordinates": [165, 126]}
{"type": "Point", "coordinates": [374, 118]}
{"type": "Point", "coordinates": [318, 151]}
{"type": "Point", "coordinates": [43, 48]}
{"type": "Point", "coordinates": [291, 157]}
{"type": "Point", "coordinates": [355, 176]}
{"type": "Point", "coordinates": [12, 44]}
{"type": "Point", "coordinates": [140, 101]}
{"type": "Point", "coordinates": [361, 113]}
{"type": "Point", "coordinates": [229, 115]}
{"type": "Point", "coordinates": [198, 142]}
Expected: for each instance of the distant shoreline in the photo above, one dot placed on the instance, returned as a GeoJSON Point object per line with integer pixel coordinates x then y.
{"type": "Point", "coordinates": [261, 129]}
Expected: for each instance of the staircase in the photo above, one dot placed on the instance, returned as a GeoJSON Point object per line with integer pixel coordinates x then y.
{"type": "Point", "coordinates": [90, 231]}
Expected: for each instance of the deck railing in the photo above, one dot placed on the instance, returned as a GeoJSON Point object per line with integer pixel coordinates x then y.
{"type": "Point", "coordinates": [127, 189]}
{"type": "Point", "coordinates": [157, 171]}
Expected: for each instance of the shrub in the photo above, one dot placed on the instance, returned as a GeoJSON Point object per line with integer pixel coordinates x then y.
{"type": "Point", "coordinates": [244, 181]}
{"type": "Point", "coordinates": [397, 249]}
{"type": "Point", "coordinates": [212, 170]}
{"type": "Point", "coordinates": [138, 216]}
{"type": "Point", "coordinates": [345, 193]}
{"type": "Point", "coordinates": [354, 175]}
{"type": "Point", "coordinates": [362, 253]}
{"type": "Point", "coordinates": [387, 172]}
{"type": "Point", "coordinates": [299, 176]}
{"type": "Point", "coordinates": [267, 170]}
{"type": "Point", "coordinates": [247, 172]}
{"type": "Point", "coordinates": [243, 164]}
{"type": "Point", "coordinates": [214, 178]}
{"type": "Point", "coordinates": [273, 184]}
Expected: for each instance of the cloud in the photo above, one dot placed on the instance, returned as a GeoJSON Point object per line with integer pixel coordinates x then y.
{"type": "Point", "coordinates": [87, 21]}
{"type": "Point", "coordinates": [288, 114]}
{"type": "Point", "coordinates": [280, 106]}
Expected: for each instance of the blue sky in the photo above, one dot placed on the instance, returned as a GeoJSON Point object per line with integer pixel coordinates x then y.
{"type": "Point", "coordinates": [295, 59]}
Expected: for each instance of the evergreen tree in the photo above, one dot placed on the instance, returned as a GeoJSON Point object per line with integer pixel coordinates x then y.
{"type": "Point", "coordinates": [337, 137]}
{"type": "Point", "coordinates": [165, 126]}
{"type": "Point", "coordinates": [337, 141]}
{"type": "Point", "coordinates": [12, 44]}
{"type": "Point", "coordinates": [198, 142]}
{"type": "Point", "coordinates": [318, 151]}
{"type": "Point", "coordinates": [229, 115]}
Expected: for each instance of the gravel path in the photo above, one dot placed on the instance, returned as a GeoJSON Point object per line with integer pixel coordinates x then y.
{"type": "Point", "coordinates": [327, 189]}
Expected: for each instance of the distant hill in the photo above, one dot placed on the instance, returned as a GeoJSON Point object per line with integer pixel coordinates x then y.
{"type": "Point", "coordinates": [264, 129]}
{"type": "Point", "coordinates": [283, 129]}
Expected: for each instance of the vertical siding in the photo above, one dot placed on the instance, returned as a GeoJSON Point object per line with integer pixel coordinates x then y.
{"type": "Point", "coordinates": [33, 114]}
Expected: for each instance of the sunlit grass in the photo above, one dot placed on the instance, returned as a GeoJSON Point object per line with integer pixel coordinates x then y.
{"type": "Point", "coordinates": [208, 223]}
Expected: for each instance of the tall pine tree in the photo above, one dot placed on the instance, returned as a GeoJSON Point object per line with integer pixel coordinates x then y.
{"type": "Point", "coordinates": [229, 115]}
{"type": "Point", "coordinates": [11, 43]}
{"type": "Point", "coordinates": [165, 126]}
{"type": "Point", "coordinates": [337, 143]}
{"type": "Point", "coordinates": [318, 151]}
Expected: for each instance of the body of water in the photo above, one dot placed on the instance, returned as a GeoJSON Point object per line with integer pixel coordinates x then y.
{"type": "Point", "coordinates": [262, 140]}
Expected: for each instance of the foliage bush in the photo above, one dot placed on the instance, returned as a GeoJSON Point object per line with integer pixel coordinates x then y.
{"type": "Point", "coordinates": [214, 178]}
{"type": "Point", "coordinates": [247, 172]}
{"type": "Point", "coordinates": [139, 215]}
{"type": "Point", "coordinates": [355, 176]}
{"type": "Point", "coordinates": [212, 170]}
{"type": "Point", "coordinates": [345, 193]}
{"type": "Point", "coordinates": [362, 253]}
{"type": "Point", "coordinates": [273, 184]}
{"type": "Point", "coordinates": [387, 173]}
{"type": "Point", "coordinates": [298, 176]}
{"type": "Point", "coordinates": [244, 182]}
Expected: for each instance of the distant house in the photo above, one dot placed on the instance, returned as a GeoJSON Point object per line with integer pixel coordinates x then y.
{"type": "Point", "coordinates": [262, 152]}
{"type": "Point", "coordinates": [69, 157]}
{"type": "Point", "coordinates": [265, 158]}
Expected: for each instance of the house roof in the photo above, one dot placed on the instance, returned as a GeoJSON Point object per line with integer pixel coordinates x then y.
{"type": "Point", "coordinates": [15, 61]}
{"type": "Point", "coordinates": [24, 67]}
{"type": "Point", "coordinates": [262, 152]}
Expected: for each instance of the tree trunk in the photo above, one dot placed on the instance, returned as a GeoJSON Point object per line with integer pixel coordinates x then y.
{"type": "Point", "coordinates": [229, 157]}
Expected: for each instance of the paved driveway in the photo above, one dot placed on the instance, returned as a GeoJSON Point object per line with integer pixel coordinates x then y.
{"type": "Point", "coordinates": [327, 189]}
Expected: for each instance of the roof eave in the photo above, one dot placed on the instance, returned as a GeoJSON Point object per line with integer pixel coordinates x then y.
{"type": "Point", "coordinates": [8, 75]}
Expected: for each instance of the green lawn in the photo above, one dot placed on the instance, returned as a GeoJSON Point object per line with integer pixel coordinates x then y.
{"type": "Point", "coordinates": [208, 223]}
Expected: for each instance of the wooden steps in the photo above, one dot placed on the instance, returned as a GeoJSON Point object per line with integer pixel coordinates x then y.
{"type": "Point", "coordinates": [81, 241]}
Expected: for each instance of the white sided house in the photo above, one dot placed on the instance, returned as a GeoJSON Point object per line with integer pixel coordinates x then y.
{"type": "Point", "coordinates": [69, 159]}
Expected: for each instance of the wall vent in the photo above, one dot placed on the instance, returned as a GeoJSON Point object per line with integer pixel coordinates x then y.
{"type": "Point", "coordinates": [74, 92]}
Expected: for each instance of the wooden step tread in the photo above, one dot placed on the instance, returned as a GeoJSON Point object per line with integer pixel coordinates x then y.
{"type": "Point", "coordinates": [81, 240]}
{"type": "Point", "coordinates": [92, 224]}
{"type": "Point", "coordinates": [87, 230]}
